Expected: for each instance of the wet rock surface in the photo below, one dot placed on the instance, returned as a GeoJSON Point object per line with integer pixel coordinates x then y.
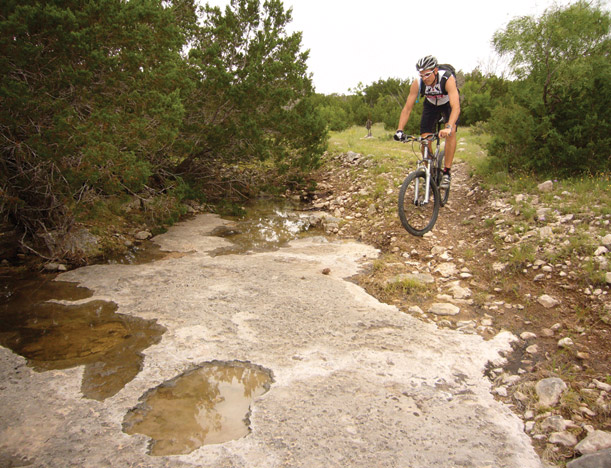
{"type": "Point", "coordinates": [356, 382]}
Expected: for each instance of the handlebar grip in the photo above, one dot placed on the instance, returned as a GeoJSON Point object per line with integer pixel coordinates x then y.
{"type": "Point", "coordinates": [407, 138]}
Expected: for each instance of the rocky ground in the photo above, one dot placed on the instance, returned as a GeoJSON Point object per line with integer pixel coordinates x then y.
{"type": "Point", "coordinates": [487, 267]}
{"type": "Point", "coordinates": [496, 261]}
{"type": "Point", "coordinates": [354, 382]}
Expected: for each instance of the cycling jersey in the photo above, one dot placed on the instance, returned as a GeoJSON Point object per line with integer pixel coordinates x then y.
{"type": "Point", "coordinates": [436, 94]}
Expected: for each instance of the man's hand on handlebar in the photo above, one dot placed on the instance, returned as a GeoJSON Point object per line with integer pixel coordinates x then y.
{"type": "Point", "coordinates": [446, 132]}
{"type": "Point", "coordinates": [400, 136]}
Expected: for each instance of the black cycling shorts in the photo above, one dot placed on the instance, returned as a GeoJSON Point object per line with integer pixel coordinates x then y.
{"type": "Point", "coordinates": [431, 114]}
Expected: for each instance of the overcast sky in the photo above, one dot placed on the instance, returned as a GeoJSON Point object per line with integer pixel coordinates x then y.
{"type": "Point", "coordinates": [362, 41]}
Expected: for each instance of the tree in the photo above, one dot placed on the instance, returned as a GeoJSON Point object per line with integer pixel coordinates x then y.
{"type": "Point", "coordinates": [100, 99]}
{"type": "Point", "coordinates": [252, 88]}
{"type": "Point", "coordinates": [380, 101]}
{"type": "Point", "coordinates": [561, 61]}
{"type": "Point", "coordinates": [91, 103]}
{"type": "Point", "coordinates": [387, 98]}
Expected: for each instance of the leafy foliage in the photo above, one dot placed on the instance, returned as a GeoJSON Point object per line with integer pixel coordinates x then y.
{"type": "Point", "coordinates": [252, 87]}
{"type": "Point", "coordinates": [100, 98]}
{"type": "Point", "coordinates": [91, 99]}
{"type": "Point", "coordinates": [556, 121]}
{"type": "Point", "coordinates": [379, 102]}
{"type": "Point", "coordinates": [480, 94]}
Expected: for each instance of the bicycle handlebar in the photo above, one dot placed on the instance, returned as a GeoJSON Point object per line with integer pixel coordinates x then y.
{"type": "Point", "coordinates": [408, 138]}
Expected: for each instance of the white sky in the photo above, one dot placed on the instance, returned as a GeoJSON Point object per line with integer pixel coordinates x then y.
{"type": "Point", "coordinates": [362, 41]}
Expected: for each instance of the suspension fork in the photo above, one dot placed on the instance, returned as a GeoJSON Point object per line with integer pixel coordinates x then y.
{"type": "Point", "coordinates": [427, 171]}
{"type": "Point", "coordinates": [427, 192]}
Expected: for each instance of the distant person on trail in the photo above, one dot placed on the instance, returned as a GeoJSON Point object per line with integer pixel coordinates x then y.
{"type": "Point", "coordinates": [368, 126]}
{"type": "Point", "coordinates": [438, 85]}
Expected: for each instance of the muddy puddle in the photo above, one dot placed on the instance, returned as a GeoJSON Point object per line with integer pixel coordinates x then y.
{"type": "Point", "coordinates": [207, 405]}
{"type": "Point", "coordinates": [52, 335]}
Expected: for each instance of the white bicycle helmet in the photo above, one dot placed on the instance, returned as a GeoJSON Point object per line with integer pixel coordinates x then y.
{"type": "Point", "coordinates": [426, 63]}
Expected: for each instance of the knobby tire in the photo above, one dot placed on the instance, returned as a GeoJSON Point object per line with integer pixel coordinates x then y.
{"type": "Point", "coordinates": [418, 219]}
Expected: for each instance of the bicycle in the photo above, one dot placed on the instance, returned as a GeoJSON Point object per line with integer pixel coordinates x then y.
{"type": "Point", "coordinates": [417, 212]}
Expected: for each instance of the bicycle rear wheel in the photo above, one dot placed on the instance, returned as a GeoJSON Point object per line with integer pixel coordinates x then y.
{"type": "Point", "coordinates": [444, 194]}
{"type": "Point", "coordinates": [416, 216]}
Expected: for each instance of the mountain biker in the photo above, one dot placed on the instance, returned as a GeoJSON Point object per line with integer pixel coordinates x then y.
{"type": "Point", "coordinates": [442, 98]}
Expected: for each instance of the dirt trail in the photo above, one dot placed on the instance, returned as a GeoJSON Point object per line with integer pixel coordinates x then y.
{"type": "Point", "coordinates": [467, 235]}
{"type": "Point", "coordinates": [474, 233]}
{"type": "Point", "coordinates": [357, 382]}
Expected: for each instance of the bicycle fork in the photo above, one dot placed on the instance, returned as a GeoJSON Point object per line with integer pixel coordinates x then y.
{"type": "Point", "coordinates": [427, 188]}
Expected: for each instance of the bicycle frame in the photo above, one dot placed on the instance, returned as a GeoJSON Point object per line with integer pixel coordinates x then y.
{"type": "Point", "coordinates": [425, 163]}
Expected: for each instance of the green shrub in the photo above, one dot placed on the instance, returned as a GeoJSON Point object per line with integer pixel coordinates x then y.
{"type": "Point", "coordinates": [556, 121]}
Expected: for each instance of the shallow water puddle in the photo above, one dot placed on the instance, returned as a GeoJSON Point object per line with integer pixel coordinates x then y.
{"type": "Point", "coordinates": [207, 405]}
{"type": "Point", "coordinates": [57, 336]}
{"type": "Point", "coordinates": [268, 225]}
{"type": "Point", "coordinates": [147, 252]}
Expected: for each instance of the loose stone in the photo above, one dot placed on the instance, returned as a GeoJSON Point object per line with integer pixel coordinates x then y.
{"type": "Point", "coordinates": [550, 390]}
{"type": "Point", "coordinates": [546, 232]}
{"type": "Point", "coordinates": [458, 292]}
{"type": "Point", "coordinates": [565, 439]}
{"type": "Point", "coordinates": [522, 398]}
{"type": "Point", "coordinates": [501, 391]}
{"type": "Point", "coordinates": [602, 386]}
{"type": "Point", "coordinates": [547, 301]}
{"type": "Point", "coordinates": [587, 411]}
{"type": "Point", "coordinates": [447, 269]}
{"type": "Point", "coordinates": [511, 379]}
{"type": "Point", "coordinates": [566, 343]}
{"type": "Point", "coordinates": [546, 186]}
{"type": "Point", "coordinates": [55, 267]}
{"type": "Point", "coordinates": [600, 459]}
{"type": "Point", "coordinates": [529, 427]}
{"type": "Point", "coordinates": [444, 309]}
{"type": "Point", "coordinates": [555, 424]}
{"type": "Point", "coordinates": [143, 235]}
{"type": "Point", "coordinates": [415, 310]}
{"type": "Point", "coordinates": [533, 349]}
{"type": "Point", "coordinates": [595, 441]}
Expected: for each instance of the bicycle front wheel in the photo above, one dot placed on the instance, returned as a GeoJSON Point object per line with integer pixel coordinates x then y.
{"type": "Point", "coordinates": [417, 215]}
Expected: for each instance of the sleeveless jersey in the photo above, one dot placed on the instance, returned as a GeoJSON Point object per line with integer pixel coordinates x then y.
{"type": "Point", "coordinates": [437, 94]}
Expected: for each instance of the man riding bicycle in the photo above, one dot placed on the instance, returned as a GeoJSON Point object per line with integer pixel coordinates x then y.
{"type": "Point", "coordinates": [442, 98]}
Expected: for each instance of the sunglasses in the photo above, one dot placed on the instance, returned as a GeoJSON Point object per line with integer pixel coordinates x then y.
{"type": "Point", "coordinates": [426, 75]}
